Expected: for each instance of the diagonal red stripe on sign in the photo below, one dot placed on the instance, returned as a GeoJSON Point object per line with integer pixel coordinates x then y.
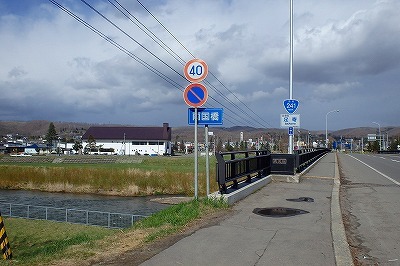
{"type": "Point", "coordinates": [197, 96]}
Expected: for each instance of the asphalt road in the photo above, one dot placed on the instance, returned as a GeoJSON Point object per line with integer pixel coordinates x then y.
{"type": "Point", "coordinates": [371, 203]}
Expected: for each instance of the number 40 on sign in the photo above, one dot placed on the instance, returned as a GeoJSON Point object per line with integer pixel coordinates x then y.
{"type": "Point", "coordinates": [195, 70]}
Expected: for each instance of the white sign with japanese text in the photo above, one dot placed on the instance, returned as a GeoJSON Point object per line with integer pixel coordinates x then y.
{"type": "Point", "coordinates": [290, 120]}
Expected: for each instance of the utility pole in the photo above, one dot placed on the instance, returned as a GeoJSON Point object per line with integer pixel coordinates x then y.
{"type": "Point", "coordinates": [290, 146]}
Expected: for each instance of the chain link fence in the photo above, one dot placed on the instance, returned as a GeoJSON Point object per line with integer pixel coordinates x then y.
{"type": "Point", "coordinates": [76, 216]}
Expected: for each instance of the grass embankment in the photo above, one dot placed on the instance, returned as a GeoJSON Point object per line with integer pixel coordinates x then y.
{"type": "Point", "coordinates": [43, 242]}
{"type": "Point", "coordinates": [151, 176]}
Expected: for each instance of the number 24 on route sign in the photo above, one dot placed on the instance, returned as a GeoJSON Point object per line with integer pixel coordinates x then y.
{"type": "Point", "coordinates": [195, 70]}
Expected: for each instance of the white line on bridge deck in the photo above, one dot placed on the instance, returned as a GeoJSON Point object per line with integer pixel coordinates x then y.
{"type": "Point", "coordinates": [387, 177]}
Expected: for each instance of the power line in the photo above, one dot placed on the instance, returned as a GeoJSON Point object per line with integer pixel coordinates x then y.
{"type": "Point", "coordinates": [165, 28]}
{"type": "Point", "coordinates": [148, 66]}
{"type": "Point", "coordinates": [118, 46]}
{"type": "Point", "coordinates": [151, 53]}
{"type": "Point", "coordinates": [221, 94]}
{"type": "Point", "coordinates": [147, 31]}
{"type": "Point", "coordinates": [121, 8]}
{"type": "Point", "coordinates": [126, 51]}
{"type": "Point", "coordinates": [130, 37]}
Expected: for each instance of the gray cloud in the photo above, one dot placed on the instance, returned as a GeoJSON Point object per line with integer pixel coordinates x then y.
{"type": "Point", "coordinates": [346, 57]}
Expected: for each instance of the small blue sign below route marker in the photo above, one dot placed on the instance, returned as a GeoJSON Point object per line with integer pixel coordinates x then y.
{"type": "Point", "coordinates": [290, 131]}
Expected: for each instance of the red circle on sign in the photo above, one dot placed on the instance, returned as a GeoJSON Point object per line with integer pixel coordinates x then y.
{"type": "Point", "coordinates": [195, 70]}
{"type": "Point", "coordinates": [195, 95]}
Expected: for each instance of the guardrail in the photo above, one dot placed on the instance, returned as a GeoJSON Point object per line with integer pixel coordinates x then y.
{"type": "Point", "coordinates": [307, 156]}
{"type": "Point", "coordinates": [290, 164]}
{"type": "Point", "coordinates": [241, 166]}
{"type": "Point", "coordinates": [76, 216]}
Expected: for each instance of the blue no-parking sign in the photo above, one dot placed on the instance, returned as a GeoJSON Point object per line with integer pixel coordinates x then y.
{"type": "Point", "coordinates": [195, 95]}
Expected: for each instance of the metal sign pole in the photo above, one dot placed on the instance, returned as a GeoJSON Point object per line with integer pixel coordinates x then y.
{"type": "Point", "coordinates": [195, 153]}
{"type": "Point", "coordinates": [290, 146]}
{"type": "Point", "coordinates": [207, 161]}
{"type": "Point", "coordinates": [195, 95]}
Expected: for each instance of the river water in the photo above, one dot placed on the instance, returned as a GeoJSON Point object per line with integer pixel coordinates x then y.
{"type": "Point", "coordinates": [114, 204]}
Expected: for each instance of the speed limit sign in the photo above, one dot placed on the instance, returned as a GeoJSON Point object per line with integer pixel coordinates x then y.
{"type": "Point", "coordinates": [195, 70]}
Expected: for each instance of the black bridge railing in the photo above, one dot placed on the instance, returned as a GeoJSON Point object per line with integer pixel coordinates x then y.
{"type": "Point", "coordinates": [243, 166]}
{"type": "Point", "coordinates": [234, 167]}
{"type": "Point", "coordinates": [307, 156]}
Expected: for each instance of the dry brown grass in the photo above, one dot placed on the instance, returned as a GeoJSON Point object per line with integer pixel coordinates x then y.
{"type": "Point", "coordinates": [156, 176]}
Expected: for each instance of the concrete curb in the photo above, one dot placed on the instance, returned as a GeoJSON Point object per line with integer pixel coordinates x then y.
{"type": "Point", "coordinates": [241, 193]}
{"type": "Point", "coordinates": [297, 177]}
{"type": "Point", "coordinates": [340, 245]}
{"type": "Point", "coordinates": [287, 178]}
{"type": "Point", "coordinates": [246, 190]}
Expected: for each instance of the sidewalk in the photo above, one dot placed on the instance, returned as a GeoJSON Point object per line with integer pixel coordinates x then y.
{"type": "Point", "coordinates": [247, 238]}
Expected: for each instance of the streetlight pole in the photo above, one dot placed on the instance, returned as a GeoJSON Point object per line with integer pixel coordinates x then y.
{"type": "Point", "coordinates": [326, 126]}
{"type": "Point", "coordinates": [290, 146]}
{"type": "Point", "coordinates": [379, 130]}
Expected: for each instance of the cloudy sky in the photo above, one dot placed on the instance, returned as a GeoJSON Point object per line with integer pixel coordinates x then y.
{"type": "Point", "coordinates": [346, 57]}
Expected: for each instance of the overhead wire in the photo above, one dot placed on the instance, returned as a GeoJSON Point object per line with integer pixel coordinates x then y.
{"type": "Point", "coordinates": [212, 74]}
{"type": "Point", "coordinates": [162, 25]}
{"type": "Point", "coordinates": [142, 62]}
{"type": "Point", "coordinates": [146, 30]}
{"type": "Point", "coordinates": [151, 53]}
{"type": "Point", "coordinates": [130, 37]}
{"type": "Point", "coordinates": [118, 46]}
{"type": "Point", "coordinates": [213, 87]}
{"type": "Point", "coordinates": [163, 45]}
{"type": "Point", "coordinates": [121, 48]}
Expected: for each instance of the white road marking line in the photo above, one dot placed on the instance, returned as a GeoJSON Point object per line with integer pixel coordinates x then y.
{"type": "Point", "coordinates": [387, 177]}
{"type": "Point", "coordinates": [321, 177]}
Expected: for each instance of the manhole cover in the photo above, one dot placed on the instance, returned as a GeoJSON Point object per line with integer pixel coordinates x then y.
{"type": "Point", "coordinates": [306, 199]}
{"type": "Point", "coordinates": [278, 212]}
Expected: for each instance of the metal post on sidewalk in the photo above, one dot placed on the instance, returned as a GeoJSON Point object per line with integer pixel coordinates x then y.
{"type": "Point", "coordinates": [195, 154]}
{"type": "Point", "coordinates": [207, 160]}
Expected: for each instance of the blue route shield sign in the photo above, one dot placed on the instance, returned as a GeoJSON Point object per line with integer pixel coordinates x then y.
{"type": "Point", "coordinates": [206, 116]}
{"type": "Point", "coordinates": [291, 105]}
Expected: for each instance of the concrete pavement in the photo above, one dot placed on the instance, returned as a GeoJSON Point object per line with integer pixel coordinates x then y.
{"type": "Point", "coordinates": [247, 238]}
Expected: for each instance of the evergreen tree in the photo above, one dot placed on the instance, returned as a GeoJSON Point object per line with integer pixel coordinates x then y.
{"type": "Point", "coordinates": [77, 146]}
{"type": "Point", "coordinates": [51, 133]}
{"type": "Point", "coordinates": [228, 146]}
{"type": "Point", "coordinates": [219, 145]}
{"type": "Point", "coordinates": [92, 143]}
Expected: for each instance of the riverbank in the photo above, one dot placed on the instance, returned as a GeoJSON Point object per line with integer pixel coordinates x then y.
{"type": "Point", "coordinates": [147, 176]}
{"type": "Point", "coordinates": [70, 244]}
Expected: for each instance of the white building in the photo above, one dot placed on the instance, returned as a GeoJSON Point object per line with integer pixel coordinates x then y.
{"type": "Point", "coordinates": [128, 140]}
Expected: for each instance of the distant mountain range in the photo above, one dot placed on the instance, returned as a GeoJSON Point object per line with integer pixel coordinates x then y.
{"type": "Point", "coordinates": [69, 129]}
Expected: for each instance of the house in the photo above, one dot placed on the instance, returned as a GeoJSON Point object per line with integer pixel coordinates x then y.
{"type": "Point", "coordinates": [128, 140]}
{"type": "Point", "coordinates": [32, 149]}
{"type": "Point", "coordinates": [3, 149]}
